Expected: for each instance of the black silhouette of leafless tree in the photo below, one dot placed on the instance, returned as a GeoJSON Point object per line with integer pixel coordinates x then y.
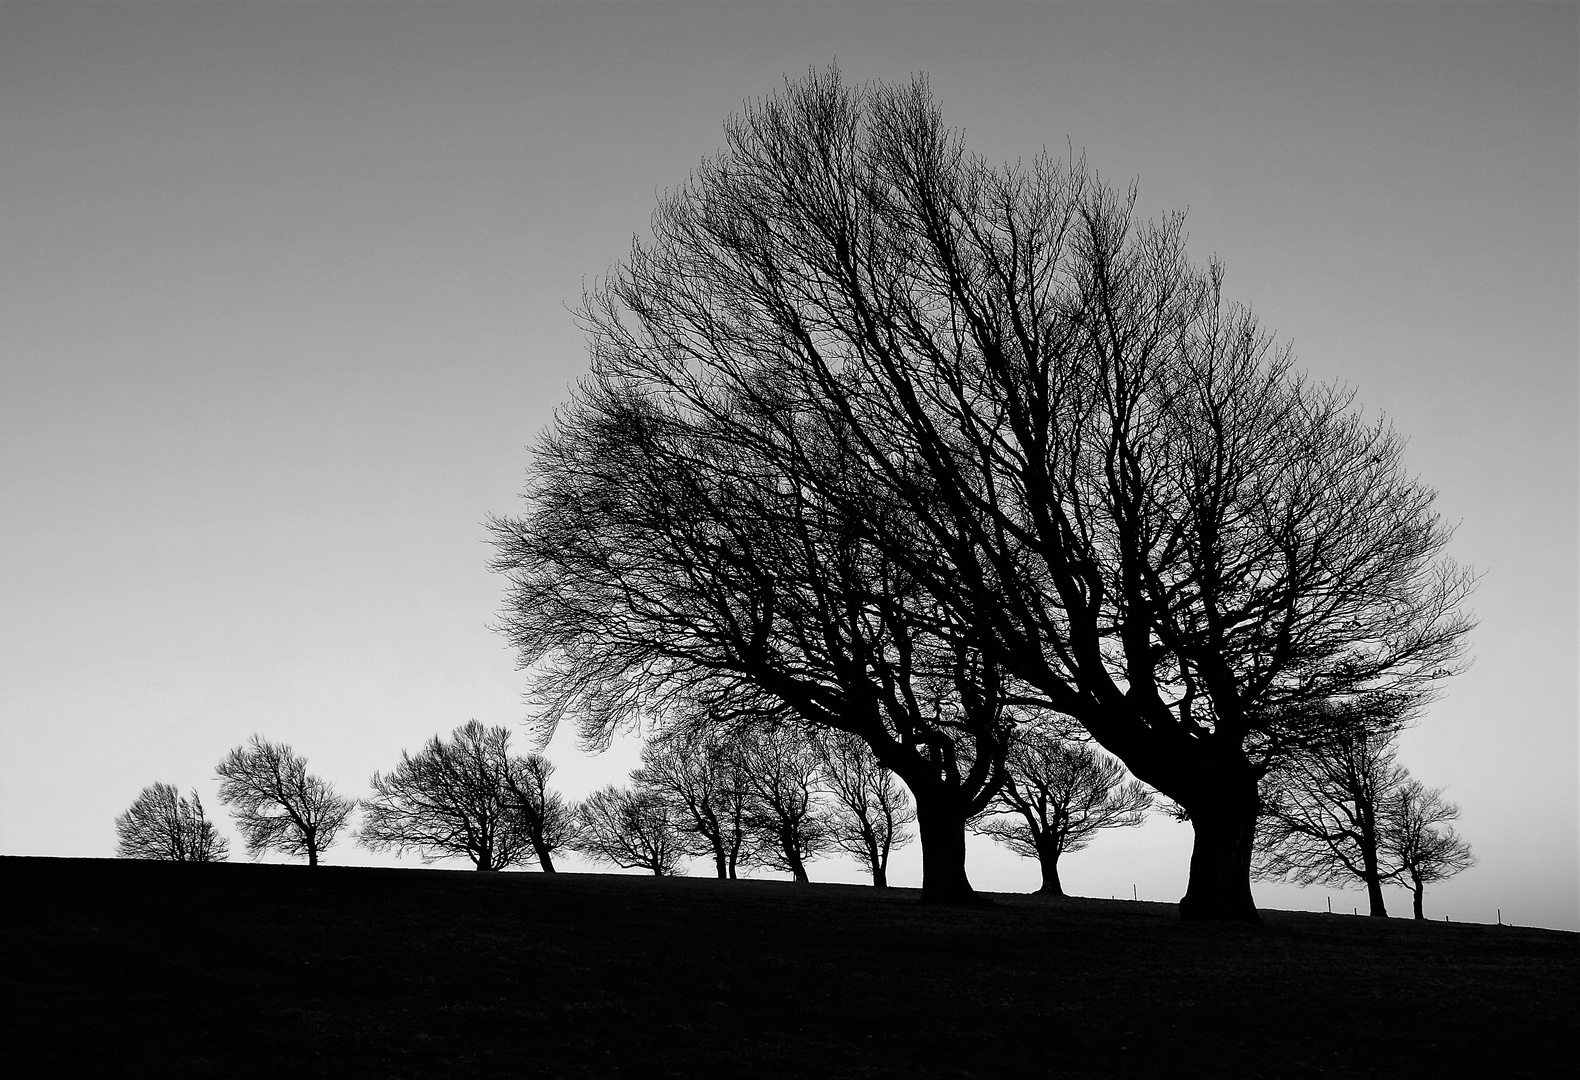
{"type": "Point", "coordinates": [781, 777]}
{"type": "Point", "coordinates": [1011, 423]}
{"type": "Point", "coordinates": [549, 822]}
{"type": "Point", "coordinates": [461, 796]}
{"type": "Point", "coordinates": [1324, 809]}
{"type": "Point", "coordinates": [163, 824]}
{"type": "Point", "coordinates": [1418, 838]}
{"type": "Point", "coordinates": [869, 812]}
{"type": "Point", "coordinates": [277, 804]}
{"type": "Point", "coordinates": [630, 828]}
{"type": "Point", "coordinates": [1058, 795]}
{"type": "Point", "coordinates": [696, 773]}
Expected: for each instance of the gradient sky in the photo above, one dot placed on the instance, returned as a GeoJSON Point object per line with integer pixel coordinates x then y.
{"type": "Point", "coordinates": [285, 293]}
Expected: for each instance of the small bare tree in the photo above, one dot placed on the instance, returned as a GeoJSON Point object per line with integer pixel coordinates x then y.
{"type": "Point", "coordinates": [870, 807]}
{"type": "Point", "coordinates": [1323, 811]}
{"type": "Point", "coordinates": [160, 824]}
{"type": "Point", "coordinates": [697, 774]}
{"type": "Point", "coordinates": [1057, 796]}
{"type": "Point", "coordinates": [454, 797]}
{"type": "Point", "coordinates": [1417, 836]}
{"type": "Point", "coordinates": [630, 828]}
{"type": "Point", "coordinates": [548, 821]}
{"type": "Point", "coordinates": [781, 775]}
{"type": "Point", "coordinates": [276, 804]}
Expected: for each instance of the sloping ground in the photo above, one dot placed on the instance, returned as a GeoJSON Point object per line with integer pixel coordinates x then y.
{"type": "Point", "coordinates": [119, 968]}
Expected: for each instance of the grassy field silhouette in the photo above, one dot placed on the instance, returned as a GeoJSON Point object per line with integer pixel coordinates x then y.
{"type": "Point", "coordinates": [120, 968]}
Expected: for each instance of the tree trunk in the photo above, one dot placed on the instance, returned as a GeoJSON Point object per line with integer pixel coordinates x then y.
{"type": "Point", "coordinates": [720, 861]}
{"type": "Point", "coordinates": [1374, 893]}
{"type": "Point", "coordinates": [1374, 897]}
{"type": "Point", "coordinates": [1420, 888]}
{"type": "Point", "coordinates": [941, 827]}
{"type": "Point", "coordinates": [1048, 859]}
{"type": "Point", "coordinates": [312, 855]}
{"type": "Point", "coordinates": [1223, 813]}
{"type": "Point", "coordinates": [875, 858]}
{"type": "Point", "coordinates": [793, 861]}
{"type": "Point", "coordinates": [545, 861]}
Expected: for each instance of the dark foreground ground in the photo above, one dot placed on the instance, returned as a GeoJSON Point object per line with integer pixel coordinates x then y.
{"type": "Point", "coordinates": [125, 968]}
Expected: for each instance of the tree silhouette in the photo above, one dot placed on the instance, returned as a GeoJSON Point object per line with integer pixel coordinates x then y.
{"type": "Point", "coordinates": [546, 819]}
{"type": "Point", "coordinates": [630, 828]}
{"type": "Point", "coordinates": [161, 824]}
{"type": "Point", "coordinates": [1324, 812]}
{"type": "Point", "coordinates": [277, 806]}
{"type": "Point", "coordinates": [870, 810]}
{"type": "Point", "coordinates": [1058, 796]}
{"type": "Point", "coordinates": [697, 775]}
{"type": "Point", "coordinates": [780, 775]}
{"type": "Point", "coordinates": [1419, 839]}
{"type": "Point", "coordinates": [461, 796]}
{"type": "Point", "coordinates": [1026, 417]}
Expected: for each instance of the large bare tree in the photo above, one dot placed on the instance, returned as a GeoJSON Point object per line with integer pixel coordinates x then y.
{"type": "Point", "coordinates": [665, 568]}
{"type": "Point", "coordinates": [277, 804]}
{"type": "Point", "coordinates": [549, 822]}
{"type": "Point", "coordinates": [163, 824]}
{"type": "Point", "coordinates": [1089, 471]}
{"type": "Point", "coordinates": [1059, 794]}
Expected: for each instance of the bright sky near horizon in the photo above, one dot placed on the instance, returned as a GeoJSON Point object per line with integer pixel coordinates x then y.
{"type": "Point", "coordinates": [285, 297]}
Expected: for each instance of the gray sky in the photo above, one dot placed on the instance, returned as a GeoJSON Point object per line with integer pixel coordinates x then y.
{"type": "Point", "coordinates": [284, 298]}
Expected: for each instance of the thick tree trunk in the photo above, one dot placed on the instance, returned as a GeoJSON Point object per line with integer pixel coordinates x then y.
{"type": "Point", "coordinates": [545, 861]}
{"type": "Point", "coordinates": [1374, 897]}
{"type": "Point", "coordinates": [1048, 859]}
{"type": "Point", "coordinates": [1420, 888]}
{"type": "Point", "coordinates": [941, 827]}
{"type": "Point", "coordinates": [312, 855]}
{"type": "Point", "coordinates": [797, 867]}
{"type": "Point", "coordinates": [721, 863]}
{"type": "Point", "coordinates": [1374, 894]}
{"type": "Point", "coordinates": [1224, 817]}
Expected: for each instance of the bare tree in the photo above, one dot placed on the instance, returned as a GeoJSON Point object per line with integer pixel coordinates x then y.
{"type": "Point", "coordinates": [1420, 841]}
{"type": "Point", "coordinates": [1083, 467]}
{"type": "Point", "coordinates": [454, 797]}
{"type": "Point", "coordinates": [665, 561]}
{"type": "Point", "coordinates": [276, 804]}
{"type": "Point", "coordinates": [630, 828]}
{"type": "Point", "coordinates": [781, 774]}
{"type": "Point", "coordinates": [549, 822]}
{"type": "Point", "coordinates": [1059, 794]}
{"type": "Point", "coordinates": [1324, 809]}
{"type": "Point", "coordinates": [870, 810]}
{"type": "Point", "coordinates": [161, 824]}
{"type": "Point", "coordinates": [697, 774]}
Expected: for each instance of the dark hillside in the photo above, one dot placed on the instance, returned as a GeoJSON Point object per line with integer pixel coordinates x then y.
{"type": "Point", "coordinates": [116, 968]}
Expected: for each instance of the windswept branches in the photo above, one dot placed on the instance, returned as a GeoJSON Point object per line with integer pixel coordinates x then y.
{"type": "Point", "coordinates": [277, 805]}
{"type": "Point", "coordinates": [163, 824]}
{"type": "Point", "coordinates": [548, 822]}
